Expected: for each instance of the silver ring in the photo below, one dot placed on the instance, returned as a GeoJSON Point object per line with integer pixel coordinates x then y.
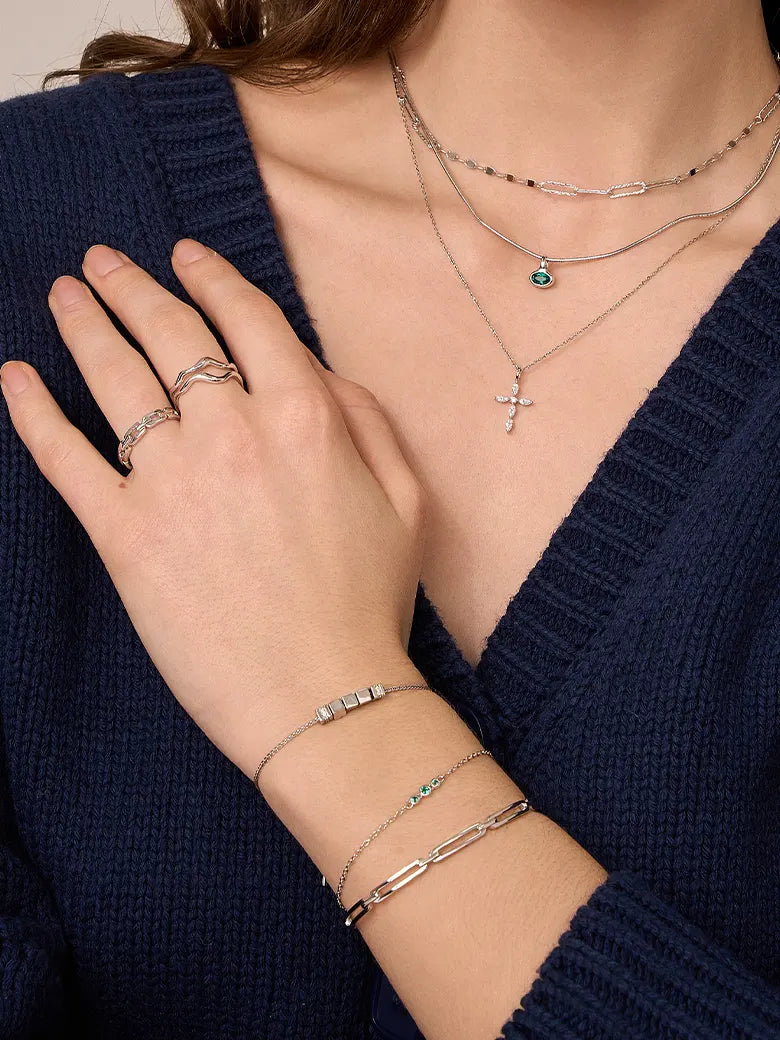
{"type": "Point", "coordinates": [138, 429]}
{"type": "Point", "coordinates": [195, 373]}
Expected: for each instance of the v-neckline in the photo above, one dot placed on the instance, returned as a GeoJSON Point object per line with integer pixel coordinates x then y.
{"type": "Point", "coordinates": [217, 192]}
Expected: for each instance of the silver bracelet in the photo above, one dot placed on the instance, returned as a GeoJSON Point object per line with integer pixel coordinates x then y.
{"type": "Point", "coordinates": [423, 791]}
{"type": "Point", "coordinates": [336, 709]}
{"type": "Point", "coordinates": [418, 866]}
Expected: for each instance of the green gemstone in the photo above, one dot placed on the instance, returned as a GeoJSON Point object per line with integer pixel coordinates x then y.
{"type": "Point", "coordinates": [435, 782]}
{"type": "Point", "coordinates": [414, 799]}
{"type": "Point", "coordinates": [541, 277]}
{"type": "Point", "coordinates": [425, 790]}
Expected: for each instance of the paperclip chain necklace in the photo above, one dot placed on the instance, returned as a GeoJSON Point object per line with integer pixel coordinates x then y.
{"type": "Point", "coordinates": [541, 277]}
{"type": "Point", "coordinates": [614, 191]}
{"type": "Point", "coordinates": [514, 399]}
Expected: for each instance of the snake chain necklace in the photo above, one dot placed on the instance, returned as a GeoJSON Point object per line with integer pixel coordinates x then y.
{"type": "Point", "coordinates": [614, 191]}
{"type": "Point", "coordinates": [542, 277]}
{"type": "Point", "coordinates": [514, 399]}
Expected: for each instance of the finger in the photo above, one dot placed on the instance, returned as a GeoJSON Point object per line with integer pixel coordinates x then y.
{"type": "Point", "coordinates": [260, 338]}
{"type": "Point", "coordinates": [65, 457]}
{"type": "Point", "coordinates": [375, 440]}
{"type": "Point", "coordinates": [172, 333]}
{"type": "Point", "coordinates": [121, 381]}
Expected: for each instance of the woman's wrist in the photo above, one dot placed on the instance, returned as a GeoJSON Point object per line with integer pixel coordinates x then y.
{"type": "Point", "coordinates": [322, 677]}
{"type": "Point", "coordinates": [335, 784]}
{"type": "Point", "coordinates": [524, 881]}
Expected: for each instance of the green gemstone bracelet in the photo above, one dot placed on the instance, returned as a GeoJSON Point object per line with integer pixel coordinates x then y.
{"type": "Point", "coordinates": [424, 791]}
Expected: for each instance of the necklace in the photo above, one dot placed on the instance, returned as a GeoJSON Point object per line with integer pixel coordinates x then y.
{"type": "Point", "coordinates": [614, 191]}
{"type": "Point", "coordinates": [514, 399]}
{"type": "Point", "coordinates": [541, 277]}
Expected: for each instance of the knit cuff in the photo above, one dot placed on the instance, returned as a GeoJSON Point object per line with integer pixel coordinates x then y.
{"type": "Point", "coordinates": [632, 966]}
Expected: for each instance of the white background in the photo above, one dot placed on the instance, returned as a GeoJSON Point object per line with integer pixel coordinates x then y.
{"type": "Point", "coordinates": [39, 35]}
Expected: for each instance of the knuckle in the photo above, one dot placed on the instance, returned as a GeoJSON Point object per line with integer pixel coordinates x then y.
{"type": "Point", "coordinates": [234, 440]}
{"type": "Point", "coordinates": [52, 455]}
{"type": "Point", "coordinates": [122, 287]}
{"type": "Point", "coordinates": [248, 304]}
{"type": "Point", "coordinates": [240, 433]}
{"type": "Point", "coordinates": [358, 396]}
{"type": "Point", "coordinates": [171, 321]}
{"type": "Point", "coordinates": [78, 321]}
{"type": "Point", "coordinates": [307, 412]}
{"type": "Point", "coordinates": [117, 368]}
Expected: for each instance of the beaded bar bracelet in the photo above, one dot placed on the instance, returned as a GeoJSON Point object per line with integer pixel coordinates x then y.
{"type": "Point", "coordinates": [336, 709]}
{"type": "Point", "coordinates": [424, 791]}
{"type": "Point", "coordinates": [418, 866]}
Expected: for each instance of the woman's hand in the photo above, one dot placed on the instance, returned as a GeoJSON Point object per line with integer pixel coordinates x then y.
{"type": "Point", "coordinates": [264, 546]}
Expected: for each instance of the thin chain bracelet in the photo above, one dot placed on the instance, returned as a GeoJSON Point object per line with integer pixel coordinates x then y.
{"type": "Point", "coordinates": [424, 791]}
{"type": "Point", "coordinates": [418, 866]}
{"type": "Point", "coordinates": [336, 709]}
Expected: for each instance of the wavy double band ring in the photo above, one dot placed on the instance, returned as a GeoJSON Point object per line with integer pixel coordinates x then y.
{"type": "Point", "coordinates": [138, 429]}
{"type": "Point", "coordinates": [195, 373]}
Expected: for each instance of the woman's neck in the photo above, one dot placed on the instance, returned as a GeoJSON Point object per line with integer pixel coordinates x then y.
{"type": "Point", "coordinates": [593, 91]}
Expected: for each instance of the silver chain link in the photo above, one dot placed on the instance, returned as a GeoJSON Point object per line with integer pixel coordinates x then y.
{"type": "Point", "coordinates": [408, 804]}
{"type": "Point", "coordinates": [614, 306]}
{"type": "Point", "coordinates": [403, 98]}
{"type": "Point", "coordinates": [455, 843]}
{"type": "Point", "coordinates": [614, 191]}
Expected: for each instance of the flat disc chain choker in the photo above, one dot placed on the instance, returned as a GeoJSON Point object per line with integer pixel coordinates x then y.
{"type": "Point", "coordinates": [542, 277]}
{"type": "Point", "coordinates": [614, 191]}
{"type": "Point", "coordinates": [514, 399]}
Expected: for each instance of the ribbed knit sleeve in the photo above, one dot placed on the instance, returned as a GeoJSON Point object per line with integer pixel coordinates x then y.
{"type": "Point", "coordinates": [31, 944]}
{"type": "Point", "coordinates": [631, 966]}
{"type": "Point", "coordinates": [49, 144]}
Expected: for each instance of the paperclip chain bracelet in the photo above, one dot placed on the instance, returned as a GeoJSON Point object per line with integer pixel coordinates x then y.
{"type": "Point", "coordinates": [424, 791]}
{"type": "Point", "coordinates": [418, 866]}
{"type": "Point", "coordinates": [336, 709]}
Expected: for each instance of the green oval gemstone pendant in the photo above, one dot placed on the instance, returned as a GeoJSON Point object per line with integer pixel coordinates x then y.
{"type": "Point", "coordinates": [541, 277]}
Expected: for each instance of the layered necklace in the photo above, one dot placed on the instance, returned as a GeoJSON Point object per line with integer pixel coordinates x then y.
{"type": "Point", "coordinates": [542, 277]}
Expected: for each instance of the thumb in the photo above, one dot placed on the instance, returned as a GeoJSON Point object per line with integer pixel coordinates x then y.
{"type": "Point", "coordinates": [375, 440]}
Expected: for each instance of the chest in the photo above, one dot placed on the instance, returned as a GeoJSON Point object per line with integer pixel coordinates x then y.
{"type": "Point", "coordinates": [391, 313]}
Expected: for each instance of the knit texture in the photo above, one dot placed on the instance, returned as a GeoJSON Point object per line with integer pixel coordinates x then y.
{"type": "Point", "coordinates": [631, 687]}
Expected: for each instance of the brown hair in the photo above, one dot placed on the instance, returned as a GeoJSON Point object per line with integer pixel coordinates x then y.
{"type": "Point", "coordinates": [276, 42]}
{"type": "Point", "coordinates": [267, 42]}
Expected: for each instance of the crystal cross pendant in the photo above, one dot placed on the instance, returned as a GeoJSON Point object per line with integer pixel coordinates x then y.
{"type": "Point", "coordinates": [513, 401]}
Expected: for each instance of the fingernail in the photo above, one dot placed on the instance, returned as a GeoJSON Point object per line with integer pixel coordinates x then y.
{"type": "Point", "coordinates": [13, 378]}
{"type": "Point", "coordinates": [102, 260]}
{"type": "Point", "coordinates": [188, 251]}
{"type": "Point", "coordinates": [67, 291]}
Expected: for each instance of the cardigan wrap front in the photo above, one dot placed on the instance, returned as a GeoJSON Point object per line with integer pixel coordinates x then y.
{"type": "Point", "coordinates": [631, 688]}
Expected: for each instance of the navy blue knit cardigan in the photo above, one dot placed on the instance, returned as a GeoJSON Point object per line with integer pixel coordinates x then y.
{"type": "Point", "coordinates": [631, 687]}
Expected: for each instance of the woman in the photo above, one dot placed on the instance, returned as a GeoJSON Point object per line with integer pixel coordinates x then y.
{"type": "Point", "coordinates": [586, 490]}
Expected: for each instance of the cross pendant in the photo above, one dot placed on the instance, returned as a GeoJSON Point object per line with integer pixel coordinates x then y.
{"type": "Point", "coordinates": [513, 401]}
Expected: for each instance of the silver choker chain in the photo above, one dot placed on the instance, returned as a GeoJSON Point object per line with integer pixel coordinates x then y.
{"type": "Point", "coordinates": [542, 277]}
{"type": "Point", "coordinates": [514, 399]}
{"type": "Point", "coordinates": [623, 190]}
